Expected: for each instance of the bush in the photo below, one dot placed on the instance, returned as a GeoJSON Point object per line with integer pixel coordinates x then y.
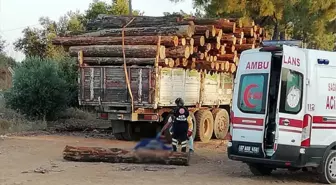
{"type": "Point", "coordinates": [69, 70]}
{"type": "Point", "coordinates": [39, 89]}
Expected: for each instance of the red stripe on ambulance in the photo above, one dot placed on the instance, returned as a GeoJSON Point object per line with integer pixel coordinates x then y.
{"type": "Point", "coordinates": [247, 121]}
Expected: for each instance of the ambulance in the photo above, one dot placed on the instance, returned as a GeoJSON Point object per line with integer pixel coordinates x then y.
{"type": "Point", "coordinates": [284, 110]}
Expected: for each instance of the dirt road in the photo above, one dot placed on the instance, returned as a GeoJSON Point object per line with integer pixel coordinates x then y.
{"type": "Point", "coordinates": [24, 159]}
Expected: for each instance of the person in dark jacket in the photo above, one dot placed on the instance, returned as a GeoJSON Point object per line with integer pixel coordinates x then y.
{"type": "Point", "coordinates": [181, 129]}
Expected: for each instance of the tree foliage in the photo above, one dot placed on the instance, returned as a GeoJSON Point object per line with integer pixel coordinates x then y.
{"type": "Point", "coordinates": [312, 21]}
{"type": "Point", "coordinates": [2, 45]}
{"type": "Point", "coordinates": [39, 89]}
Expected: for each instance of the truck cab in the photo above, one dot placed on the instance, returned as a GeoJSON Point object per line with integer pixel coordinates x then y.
{"type": "Point", "coordinates": [276, 107]}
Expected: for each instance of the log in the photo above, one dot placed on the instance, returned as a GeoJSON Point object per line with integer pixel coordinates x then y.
{"type": "Point", "coordinates": [243, 47]}
{"type": "Point", "coordinates": [222, 50]}
{"type": "Point", "coordinates": [230, 49]}
{"type": "Point", "coordinates": [202, 29]}
{"type": "Point", "coordinates": [227, 66]}
{"type": "Point", "coordinates": [133, 40]}
{"type": "Point", "coordinates": [199, 40]}
{"type": "Point", "coordinates": [228, 57]}
{"type": "Point", "coordinates": [229, 39]}
{"type": "Point", "coordinates": [226, 26]}
{"type": "Point", "coordinates": [180, 31]}
{"type": "Point", "coordinates": [191, 42]}
{"type": "Point", "coordinates": [119, 61]}
{"type": "Point", "coordinates": [117, 21]}
{"type": "Point", "coordinates": [238, 34]}
{"type": "Point", "coordinates": [248, 31]}
{"type": "Point", "coordinates": [138, 51]}
{"type": "Point", "coordinates": [250, 40]}
{"type": "Point", "coordinates": [177, 52]}
{"type": "Point", "coordinates": [117, 155]}
{"type": "Point", "coordinates": [182, 42]}
{"type": "Point", "coordinates": [233, 68]}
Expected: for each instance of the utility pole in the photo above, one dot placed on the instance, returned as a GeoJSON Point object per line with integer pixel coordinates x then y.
{"type": "Point", "coordinates": [130, 7]}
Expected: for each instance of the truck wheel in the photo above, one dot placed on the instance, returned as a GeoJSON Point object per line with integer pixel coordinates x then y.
{"type": "Point", "coordinates": [118, 136]}
{"type": "Point", "coordinates": [221, 123]}
{"type": "Point", "coordinates": [259, 170]}
{"type": "Point", "coordinates": [328, 172]}
{"type": "Point", "coordinates": [192, 115]}
{"type": "Point", "coordinates": [166, 133]}
{"type": "Point", "coordinates": [204, 123]}
{"type": "Point", "coordinates": [129, 134]}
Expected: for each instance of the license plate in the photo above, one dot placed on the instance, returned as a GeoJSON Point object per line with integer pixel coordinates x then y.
{"type": "Point", "coordinates": [248, 149]}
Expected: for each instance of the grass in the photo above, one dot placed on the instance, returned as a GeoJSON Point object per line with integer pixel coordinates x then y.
{"type": "Point", "coordinates": [71, 119]}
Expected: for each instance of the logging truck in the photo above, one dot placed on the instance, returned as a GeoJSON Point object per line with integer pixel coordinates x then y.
{"type": "Point", "coordinates": [150, 94]}
{"type": "Point", "coordinates": [132, 68]}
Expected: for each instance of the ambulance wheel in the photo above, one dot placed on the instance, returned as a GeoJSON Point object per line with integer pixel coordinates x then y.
{"type": "Point", "coordinates": [221, 123]}
{"type": "Point", "coordinates": [259, 170]}
{"type": "Point", "coordinates": [130, 134]}
{"type": "Point", "coordinates": [204, 125]}
{"type": "Point", "coordinates": [328, 172]}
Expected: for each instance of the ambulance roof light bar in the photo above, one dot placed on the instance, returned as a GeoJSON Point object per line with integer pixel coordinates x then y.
{"type": "Point", "coordinates": [276, 45]}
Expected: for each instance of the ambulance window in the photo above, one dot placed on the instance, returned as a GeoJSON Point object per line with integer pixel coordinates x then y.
{"type": "Point", "coordinates": [252, 90]}
{"type": "Point", "coordinates": [291, 91]}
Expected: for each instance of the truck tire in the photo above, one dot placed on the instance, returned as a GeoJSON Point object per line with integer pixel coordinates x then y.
{"type": "Point", "coordinates": [327, 174]}
{"type": "Point", "coordinates": [118, 136]}
{"type": "Point", "coordinates": [260, 170]}
{"type": "Point", "coordinates": [129, 134]}
{"type": "Point", "coordinates": [166, 133]}
{"type": "Point", "coordinates": [221, 123]}
{"type": "Point", "coordinates": [192, 115]}
{"type": "Point", "coordinates": [204, 125]}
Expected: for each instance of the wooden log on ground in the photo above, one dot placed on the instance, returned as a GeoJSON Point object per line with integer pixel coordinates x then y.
{"type": "Point", "coordinates": [177, 52]}
{"type": "Point", "coordinates": [180, 31]}
{"type": "Point", "coordinates": [119, 61]}
{"type": "Point", "coordinates": [137, 51]}
{"type": "Point", "coordinates": [117, 21]}
{"type": "Point", "coordinates": [132, 40]}
{"type": "Point", "coordinates": [117, 155]}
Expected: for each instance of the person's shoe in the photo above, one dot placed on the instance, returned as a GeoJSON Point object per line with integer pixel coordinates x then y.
{"type": "Point", "coordinates": [191, 151]}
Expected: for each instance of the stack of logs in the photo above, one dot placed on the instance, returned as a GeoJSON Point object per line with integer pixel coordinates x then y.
{"type": "Point", "coordinates": [208, 45]}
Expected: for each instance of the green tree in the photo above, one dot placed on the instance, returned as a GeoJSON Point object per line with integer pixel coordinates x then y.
{"type": "Point", "coordinates": [117, 7]}
{"type": "Point", "coordinates": [39, 89]}
{"type": "Point", "coordinates": [2, 45]}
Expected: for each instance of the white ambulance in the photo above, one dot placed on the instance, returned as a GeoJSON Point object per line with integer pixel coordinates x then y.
{"type": "Point", "coordinates": [284, 110]}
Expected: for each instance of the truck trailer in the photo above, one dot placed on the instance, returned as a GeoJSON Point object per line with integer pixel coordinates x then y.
{"type": "Point", "coordinates": [154, 90]}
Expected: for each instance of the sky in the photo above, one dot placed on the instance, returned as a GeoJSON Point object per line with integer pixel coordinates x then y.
{"type": "Point", "coordinates": [15, 15]}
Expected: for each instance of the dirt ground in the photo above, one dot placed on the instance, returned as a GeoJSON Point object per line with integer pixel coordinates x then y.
{"type": "Point", "coordinates": [38, 160]}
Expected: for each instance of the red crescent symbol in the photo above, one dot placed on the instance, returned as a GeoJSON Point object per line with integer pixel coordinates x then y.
{"type": "Point", "coordinates": [247, 94]}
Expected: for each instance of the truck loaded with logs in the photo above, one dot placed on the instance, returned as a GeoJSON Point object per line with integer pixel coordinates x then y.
{"type": "Point", "coordinates": [132, 68]}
